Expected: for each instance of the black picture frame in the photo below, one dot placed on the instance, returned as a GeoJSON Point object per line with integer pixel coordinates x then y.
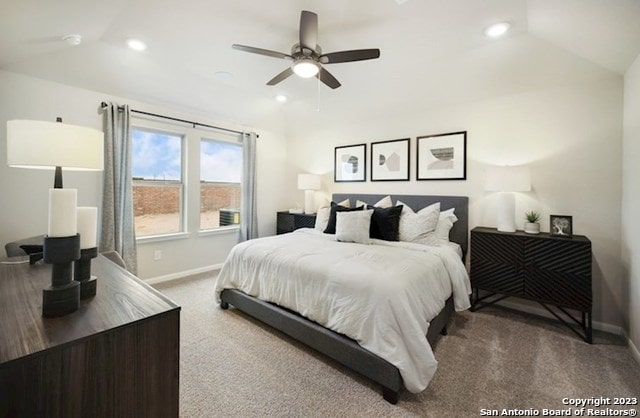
{"type": "Point", "coordinates": [561, 226]}
{"type": "Point", "coordinates": [350, 163]}
{"type": "Point", "coordinates": [442, 156]}
{"type": "Point", "coordinates": [390, 160]}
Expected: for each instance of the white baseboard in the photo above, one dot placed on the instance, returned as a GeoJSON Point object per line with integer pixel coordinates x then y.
{"type": "Point", "coordinates": [181, 274]}
{"type": "Point", "coordinates": [634, 350]}
{"type": "Point", "coordinates": [540, 311]}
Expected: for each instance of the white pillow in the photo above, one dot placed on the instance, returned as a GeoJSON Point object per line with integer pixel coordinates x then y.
{"type": "Point", "coordinates": [383, 203]}
{"type": "Point", "coordinates": [327, 203]}
{"type": "Point", "coordinates": [414, 226]}
{"type": "Point", "coordinates": [353, 226]}
{"type": "Point", "coordinates": [445, 223]}
{"type": "Point", "coordinates": [322, 216]}
{"type": "Point", "coordinates": [440, 235]}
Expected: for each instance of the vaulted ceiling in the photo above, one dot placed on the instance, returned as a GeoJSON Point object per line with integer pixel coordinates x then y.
{"type": "Point", "coordinates": [433, 52]}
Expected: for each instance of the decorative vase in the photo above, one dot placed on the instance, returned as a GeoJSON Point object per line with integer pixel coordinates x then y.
{"type": "Point", "coordinates": [532, 227]}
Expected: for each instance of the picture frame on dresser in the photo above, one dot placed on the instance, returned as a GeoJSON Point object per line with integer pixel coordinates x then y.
{"type": "Point", "coordinates": [442, 156]}
{"type": "Point", "coordinates": [390, 160]}
{"type": "Point", "coordinates": [561, 226]}
{"type": "Point", "coordinates": [350, 163]}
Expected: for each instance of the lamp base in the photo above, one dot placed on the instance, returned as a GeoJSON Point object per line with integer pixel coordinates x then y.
{"type": "Point", "coordinates": [63, 296]}
{"type": "Point", "coordinates": [309, 207]}
{"type": "Point", "coordinates": [506, 212]}
{"type": "Point", "coordinates": [60, 300]}
{"type": "Point", "coordinates": [82, 273]}
{"type": "Point", "coordinates": [88, 287]}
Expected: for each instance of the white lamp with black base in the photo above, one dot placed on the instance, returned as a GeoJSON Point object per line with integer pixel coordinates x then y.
{"type": "Point", "coordinates": [56, 145]}
{"type": "Point", "coordinates": [309, 183]}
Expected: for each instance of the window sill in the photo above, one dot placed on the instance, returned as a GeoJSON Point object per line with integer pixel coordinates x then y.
{"type": "Point", "coordinates": [222, 230]}
{"type": "Point", "coordinates": [164, 237]}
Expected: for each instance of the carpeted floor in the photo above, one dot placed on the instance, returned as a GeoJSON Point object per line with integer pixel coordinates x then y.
{"type": "Point", "coordinates": [233, 366]}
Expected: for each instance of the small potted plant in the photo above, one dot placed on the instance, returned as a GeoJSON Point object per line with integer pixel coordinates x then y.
{"type": "Point", "coordinates": [532, 226]}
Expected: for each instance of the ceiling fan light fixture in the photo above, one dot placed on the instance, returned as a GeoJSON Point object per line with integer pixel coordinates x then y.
{"type": "Point", "coordinates": [498, 29]}
{"type": "Point", "coordinates": [306, 68]}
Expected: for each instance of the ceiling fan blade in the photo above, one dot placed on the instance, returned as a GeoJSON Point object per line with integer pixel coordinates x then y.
{"type": "Point", "coordinates": [261, 51]}
{"type": "Point", "coordinates": [308, 30]}
{"type": "Point", "coordinates": [275, 80]}
{"type": "Point", "coordinates": [348, 56]}
{"type": "Point", "coordinates": [328, 79]}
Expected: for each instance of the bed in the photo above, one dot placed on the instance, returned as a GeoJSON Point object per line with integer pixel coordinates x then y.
{"type": "Point", "coordinates": [377, 357]}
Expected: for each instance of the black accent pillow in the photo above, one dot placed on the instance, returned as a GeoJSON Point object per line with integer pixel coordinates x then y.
{"type": "Point", "coordinates": [331, 224]}
{"type": "Point", "coordinates": [385, 223]}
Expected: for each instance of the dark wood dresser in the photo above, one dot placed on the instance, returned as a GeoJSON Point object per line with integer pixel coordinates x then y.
{"type": "Point", "coordinates": [554, 271]}
{"type": "Point", "coordinates": [118, 355]}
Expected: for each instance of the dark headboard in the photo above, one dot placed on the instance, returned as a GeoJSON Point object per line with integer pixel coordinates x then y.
{"type": "Point", "coordinates": [460, 231]}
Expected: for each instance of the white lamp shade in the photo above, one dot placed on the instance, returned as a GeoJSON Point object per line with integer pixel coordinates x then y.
{"type": "Point", "coordinates": [39, 144]}
{"type": "Point", "coordinates": [508, 179]}
{"type": "Point", "coordinates": [309, 182]}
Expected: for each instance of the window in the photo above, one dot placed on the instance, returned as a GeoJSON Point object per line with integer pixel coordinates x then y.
{"type": "Point", "coordinates": [157, 182]}
{"type": "Point", "coordinates": [220, 183]}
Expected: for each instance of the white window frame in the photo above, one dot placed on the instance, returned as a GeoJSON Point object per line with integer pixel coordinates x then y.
{"type": "Point", "coordinates": [182, 232]}
{"type": "Point", "coordinates": [216, 138]}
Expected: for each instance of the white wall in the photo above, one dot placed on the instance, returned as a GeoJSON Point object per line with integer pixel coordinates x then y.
{"type": "Point", "coordinates": [570, 136]}
{"type": "Point", "coordinates": [631, 200]}
{"type": "Point", "coordinates": [23, 201]}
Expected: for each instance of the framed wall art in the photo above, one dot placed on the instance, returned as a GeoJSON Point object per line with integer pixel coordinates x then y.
{"type": "Point", "coordinates": [390, 160]}
{"type": "Point", "coordinates": [561, 226]}
{"type": "Point", "coordinates": [442, 156]}
{"type": "Point", "coordinates": [350, 163]}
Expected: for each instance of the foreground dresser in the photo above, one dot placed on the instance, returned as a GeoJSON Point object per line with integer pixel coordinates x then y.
{"type": "Point", "coordinates": [118, 355]}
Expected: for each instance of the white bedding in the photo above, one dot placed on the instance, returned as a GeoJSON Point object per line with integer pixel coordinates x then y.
{"type": "Point", "coordinates": [382, 295]}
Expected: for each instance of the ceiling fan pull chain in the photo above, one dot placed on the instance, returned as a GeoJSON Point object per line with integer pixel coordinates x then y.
{"type": "Point", "coordinates": [318, 95]}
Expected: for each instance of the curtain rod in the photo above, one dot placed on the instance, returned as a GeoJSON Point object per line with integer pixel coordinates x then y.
{"type": "Point", "coordinates": [104, 105]}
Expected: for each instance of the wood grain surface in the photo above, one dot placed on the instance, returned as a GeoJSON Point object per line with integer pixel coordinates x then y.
{"type": "Point", "coordinates": [118, 355]}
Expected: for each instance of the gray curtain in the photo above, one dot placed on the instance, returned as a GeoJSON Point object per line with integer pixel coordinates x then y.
{"type": "Point", "coordinates": [248, 211]}
{"type": "Point", "coordinates": [118, 232]}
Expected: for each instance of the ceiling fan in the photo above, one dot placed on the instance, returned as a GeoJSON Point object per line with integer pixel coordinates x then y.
{"type": "Point", "coordinates": [307, 55]}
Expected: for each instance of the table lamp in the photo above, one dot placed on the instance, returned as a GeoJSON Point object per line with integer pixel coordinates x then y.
{"type": "Point", "coordinates": [309, 183]}
{"type": "Point", "coordinates": [507, 180]}
{"type": "Point", "coordinates": [55, 145]}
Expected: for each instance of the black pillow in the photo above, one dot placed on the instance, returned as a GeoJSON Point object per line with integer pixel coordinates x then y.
{"type": "Point", "coordinates": [331, 224]}
{"type": "Point", "coordinates": [385, 223]}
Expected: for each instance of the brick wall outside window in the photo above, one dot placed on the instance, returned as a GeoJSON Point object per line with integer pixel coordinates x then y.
{"type": "Point", "coordinates": [153, 200]}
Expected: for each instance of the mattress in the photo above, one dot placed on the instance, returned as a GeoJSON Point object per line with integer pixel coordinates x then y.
{"type": "Point", "coordinates": [381, 295]}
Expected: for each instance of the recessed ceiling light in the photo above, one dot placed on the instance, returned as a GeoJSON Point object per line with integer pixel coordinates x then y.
{"type": "Point", "coordinates": [281, 98]}
{"type": "Point", "coordinates": [73, 39]}
{"type": "Point", "coordinates": [497, 29]}
{"type": "Point", "coordinates": [136, 44]}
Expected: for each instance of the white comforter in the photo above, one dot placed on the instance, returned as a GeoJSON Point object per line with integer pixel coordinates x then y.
{"type": "Point", "coordinates": [381, 295]}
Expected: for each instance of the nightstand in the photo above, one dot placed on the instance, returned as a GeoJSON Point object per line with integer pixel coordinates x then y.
{"type": "Point", "coordinates": [288, 222]}
{"type": "Point", "coordinates": [553, 271]}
